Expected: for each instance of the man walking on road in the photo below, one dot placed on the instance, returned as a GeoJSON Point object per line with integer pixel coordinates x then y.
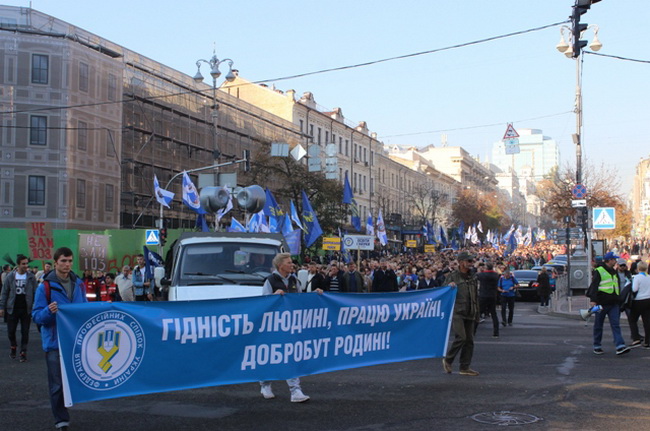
{"type": "Point", "coordinates": [60, 286]}
{"type": "Point", "coordinates": [16, 300]}
{"type": "Point", "coordinates": [487, 295]}
{"type": "Point", "coordinates": [604, 291]}
{"type": "Point", "coordinates": [465, 315]}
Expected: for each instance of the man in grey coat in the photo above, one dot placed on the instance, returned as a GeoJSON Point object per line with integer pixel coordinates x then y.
{"type": "Point", "coordinates": [16, 300]}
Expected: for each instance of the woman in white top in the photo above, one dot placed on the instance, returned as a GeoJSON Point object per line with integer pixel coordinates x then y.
{"type": "Point", "coordinates": [640, 306]}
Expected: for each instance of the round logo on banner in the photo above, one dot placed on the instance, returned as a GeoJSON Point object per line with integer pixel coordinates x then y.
{"type": "Point", "coordinates": [348, 241]}
{"type": "Point", "coordinates": [108, 350]}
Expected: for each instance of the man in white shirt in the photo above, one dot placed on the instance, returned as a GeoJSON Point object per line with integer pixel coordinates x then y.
{"type": "Point", "coordinates": [125, 284]}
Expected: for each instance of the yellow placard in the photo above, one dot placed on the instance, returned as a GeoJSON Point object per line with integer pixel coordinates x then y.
{"type": "Point", "coordinates": [332, 243]}
{"type": "Point", "coordinates": [411, 243]}
{"type": "Point", "coordinates": [429, 248]}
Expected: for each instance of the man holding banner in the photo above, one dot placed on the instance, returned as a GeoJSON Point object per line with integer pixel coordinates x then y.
{"type": "Point", "coordinates": [60, 286]}
{"type": "Point", "coordinates": [282, 281]}
{"type": "Point", "coordinates": [465, 315]}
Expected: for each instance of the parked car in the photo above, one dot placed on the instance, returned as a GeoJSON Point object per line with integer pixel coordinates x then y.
{"type": "Point", "coordinates": [560, 267]}
{"type": "Point", "coordinates": [527, 279]}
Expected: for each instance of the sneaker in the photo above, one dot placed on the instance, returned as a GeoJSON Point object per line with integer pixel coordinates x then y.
{"type": "Point", "coordinates": [267, 392]}
{"type": "Point", "coordinates": [446, 366]}
{"type": "Point", "coordinates": [12, 353]}
{"type": "Point", "coordinates": [23, 356]}
{"type": "Point", "coordinates": [598, 351]}
{"type": "Point", "coordinates": [298, 397]}
{"type": "Point", "coordinates": [635, 343]}
{"type": "Point", "coordinates": [622, 350]}
{"type": "Point", "coordinates": [509, 323]}
{"type": "Point", "coordinates": [646, 346]}
{"type": "Point", "coordinates": [504, 324]}
{"type": "Point", "coordinates": [468, 372]}
{"type": "Point", "coordinates": [495, 336]}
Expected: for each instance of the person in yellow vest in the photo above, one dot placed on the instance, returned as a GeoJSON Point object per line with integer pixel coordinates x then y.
{"type": "Point", "coordinates": [604, 290]}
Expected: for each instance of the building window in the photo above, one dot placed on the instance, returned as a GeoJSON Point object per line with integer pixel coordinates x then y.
{"type": "Point", "coordinates": [327, 137]}
{"type": "Point", "coordinates": [340, 145]}
{"type": "Point", "coordinates": [81, 193]}
{"type": "Point", "coordinates": [108, 205]}
{"type": "Point", "coordinates": [112, 87]}
{"type": "Point", "coordinates": [38, 130]}
{"type": "Point", "coordinates": [311, 133]}
{"type": "Point", "coordinates": [302, 125]}
{"type": "Point", "coordinates": [347, 146]}
{"type": "Point", "coordinates": [83, 77]}
{"type": "Point", "coordinates": [40, 68]}
{"type": "Point", "coordinates": [36, 191]}
{"type": "Point", "coordinates": [319, 134]}
{"type": "Point", "coordinates": [82, 136]}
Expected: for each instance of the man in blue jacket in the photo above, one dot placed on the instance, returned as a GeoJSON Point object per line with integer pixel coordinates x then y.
{"type": "Point", "coordinates": [60, 286]}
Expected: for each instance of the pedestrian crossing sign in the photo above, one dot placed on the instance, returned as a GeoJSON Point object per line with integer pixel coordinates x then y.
{"type": "Point", "coordinates": [604, 218]}
{"type": "Point", "coordinates": [152, 237]}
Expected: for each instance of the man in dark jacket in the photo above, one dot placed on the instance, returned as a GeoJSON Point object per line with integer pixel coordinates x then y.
{"type": "Point", "coordinates": [604, 291]}
{"type": "Point", "coordinates": [465, 315]}
{"type": "Point", "coordinates": [17, 298]}
{"type": "Point", "coordinates": [384, 279]}
{"type": "Point", "coordinates": [427, 281]}
{"type": "Point", "coordinates": [64, 288]}
{"type": "Point", "coordinates": [352, 279]}
{"type": "Point", "coordinates": [488, 281]}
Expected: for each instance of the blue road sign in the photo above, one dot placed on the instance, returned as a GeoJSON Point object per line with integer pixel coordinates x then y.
{"type": "Point", "coordinates": [152, 237]}
{"type": "Point", "coordinates": [579, 191]}
{"type": "Point", "coordinates": [604, 218]}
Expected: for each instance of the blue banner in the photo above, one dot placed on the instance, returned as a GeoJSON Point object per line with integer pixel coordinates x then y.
{"type": "Point", "coordinates": [118, 349]}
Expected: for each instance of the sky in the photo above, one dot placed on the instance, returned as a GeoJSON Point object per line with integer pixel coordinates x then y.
{"type": "Point", "coordinates": [468, 93]}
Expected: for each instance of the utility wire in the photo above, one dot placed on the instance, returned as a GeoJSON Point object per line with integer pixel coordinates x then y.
{"type": "Point", "coordinates": [616, 57]}
{"type": "Point", "coordinates": [474, 127]}
{"type": "Point", "coordinates": [284, 78]}
{"type": "Point", "coordinates": [431, 51]}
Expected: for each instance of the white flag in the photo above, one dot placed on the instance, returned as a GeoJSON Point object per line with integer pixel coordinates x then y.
{"type": "Point", "coordinates": [381, 229]}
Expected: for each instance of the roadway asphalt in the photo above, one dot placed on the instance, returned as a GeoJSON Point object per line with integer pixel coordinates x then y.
{"type": "Point", "coordinates": [540, 374]}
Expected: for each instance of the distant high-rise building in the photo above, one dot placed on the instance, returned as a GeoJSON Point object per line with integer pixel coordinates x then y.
{"type": "Point", "coordinates": [538, 155]}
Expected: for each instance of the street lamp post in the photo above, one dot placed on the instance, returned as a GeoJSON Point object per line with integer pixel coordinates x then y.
{"type": "Point", "coordinates": [568, 49]}
{"type": "Point", "coordinates": [214, 64]}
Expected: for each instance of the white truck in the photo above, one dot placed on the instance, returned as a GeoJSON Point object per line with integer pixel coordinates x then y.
{"type": "Point", "coordinates": [218, 265]}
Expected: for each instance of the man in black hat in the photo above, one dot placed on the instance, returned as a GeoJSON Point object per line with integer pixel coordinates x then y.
{"type": "Point", "coordinates": [465, 315]}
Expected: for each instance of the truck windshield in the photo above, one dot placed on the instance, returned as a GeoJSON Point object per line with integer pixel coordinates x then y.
{"type": "Point", "coordinates": [226, 262]}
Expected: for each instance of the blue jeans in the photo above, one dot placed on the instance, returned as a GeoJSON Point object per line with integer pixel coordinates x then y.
{"type": "Point", "coordinates": [614, 313]}
{"type": "Point", "coordinates": [61, 415]}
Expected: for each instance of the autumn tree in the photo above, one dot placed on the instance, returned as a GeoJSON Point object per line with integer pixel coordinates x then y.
{"type": "Point", "coordinates": [471, 207]}
{"type": "Point", "coordinates": [603, 190]}
{"type": "Point", "coordinates": [425, 202]}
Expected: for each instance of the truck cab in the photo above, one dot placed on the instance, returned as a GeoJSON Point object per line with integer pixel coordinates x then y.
{"type": "Point", "coordinates": [218, 265]}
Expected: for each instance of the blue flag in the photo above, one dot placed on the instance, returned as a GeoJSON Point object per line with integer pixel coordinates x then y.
{"type": "Point", "coordinates": [151, 260]}
{"type": "Point", "coordinates": [201, 223]}
{"type": "Point", "coordinates": [293, 241]}
{"type": "Point", "coordinates": [443, 237]}
{"type": "Point", "coordinates": [347, 191]}
{"type": "Point", "coordinates": [430, 234]}
{"type": "Point", "coordinates": [355, 216]}
{"type": "Point", "coordinates": [286, 226]}
{"type": "Point", "coordinates": [235, 226]}
{"type": "Point", "coordinates": [191, 195]}
{"type": "Point", "coordinates": [271, 207]}
{"type": "Point", "coordinates": [295, 217]}
{"type": "Point", "coordinates": [313, 229]}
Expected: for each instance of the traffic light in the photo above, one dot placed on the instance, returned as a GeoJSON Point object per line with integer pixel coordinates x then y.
{"type": "Point", "coordinates": [247, 160]}
{"type": "Point", "coordinates": [163, 233]}
{"type": "Point", "coordinates": [580, 8]}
